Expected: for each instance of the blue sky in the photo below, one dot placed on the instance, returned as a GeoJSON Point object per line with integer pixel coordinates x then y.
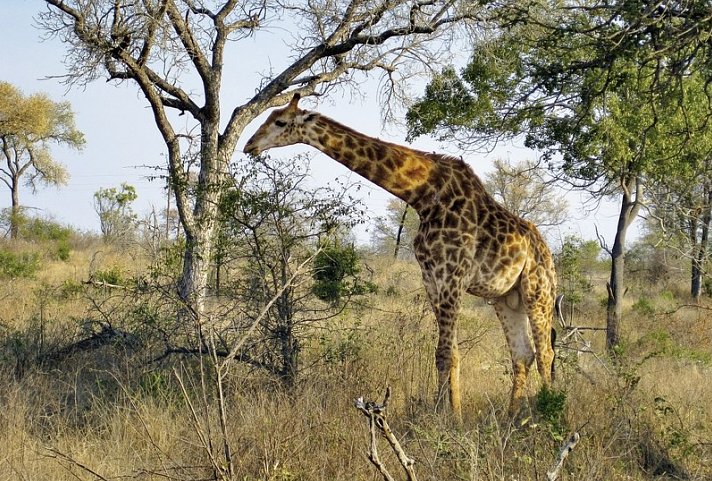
{"type": "Point", "coordinates": [122, 138]}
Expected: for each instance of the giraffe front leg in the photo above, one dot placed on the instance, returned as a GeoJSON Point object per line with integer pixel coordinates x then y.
{"type": "Point", "coordinates": [447, 362]}
{"type": "Point", "coordinates": [520, 371]}
{"type": "Point", "coordinates": [455, 400]}
{"type": "Point", "coordinates": [443, 285]}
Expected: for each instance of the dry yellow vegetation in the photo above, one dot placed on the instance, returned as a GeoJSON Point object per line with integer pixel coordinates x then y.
{"type": "Point", "coordinates": [110, 411]}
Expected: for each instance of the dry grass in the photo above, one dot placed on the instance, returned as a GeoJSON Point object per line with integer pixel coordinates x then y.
{"type": "Point", "coordinates": [108, 414]}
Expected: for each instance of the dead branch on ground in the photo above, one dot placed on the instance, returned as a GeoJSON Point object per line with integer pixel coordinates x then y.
{"type": "Point", "coordinates": [376, 413]}
{"type": "Point", "coordinates": [566, 449]}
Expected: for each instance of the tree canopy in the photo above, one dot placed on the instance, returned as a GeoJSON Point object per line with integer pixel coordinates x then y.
{"type": "Point", "coordinates": [522, 189]}
{"type": "Point", "coordinates": [29, 126]}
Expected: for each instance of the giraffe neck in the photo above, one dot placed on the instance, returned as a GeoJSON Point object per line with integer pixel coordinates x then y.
{"type": "Point", "coordinates": [402, 171]}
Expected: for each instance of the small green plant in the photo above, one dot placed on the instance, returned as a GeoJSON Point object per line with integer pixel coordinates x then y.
{"type": "Point", "coordinates": [551, 407]}
{"type": "Point", "coordinates": [113, 275]}
{"type": "Point", "coordinates": [663, 343]}
{"type": "Point", "coordinates": [644, 306]}
{"type": "Point", "coordinates": [708, 286]}
{"type": "Point", "coordinates": [342, 346]}
{"type": "Point", "coordinates": [667, 443]}
{"type": "Point", "coordinates": [63, 251]}
{"type": "Point", "coordinates": [169, 261]}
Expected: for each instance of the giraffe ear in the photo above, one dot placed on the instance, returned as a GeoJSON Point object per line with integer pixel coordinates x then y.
{"type": "Point", "coordinates": [293, 103]}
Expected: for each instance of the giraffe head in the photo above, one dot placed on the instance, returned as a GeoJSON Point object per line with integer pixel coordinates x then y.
{"type": "Point", "coordinates": [281, 128]}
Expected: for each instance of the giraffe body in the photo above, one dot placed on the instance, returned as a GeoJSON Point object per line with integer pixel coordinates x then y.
{"type": "Point", "coordinates": [466, 243]}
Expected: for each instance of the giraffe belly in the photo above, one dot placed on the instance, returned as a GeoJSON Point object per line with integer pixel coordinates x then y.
{"type": "Point", "coordinates": [492, 283]}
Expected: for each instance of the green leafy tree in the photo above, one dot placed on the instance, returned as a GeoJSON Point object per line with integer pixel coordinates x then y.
{"type": "Point", "coordinates": [575, 264]}
{"type": "Point", "coordinates": [280, 253]}
{"type": "Point", "coordinates": [29, 126]}
{"type": "Point", "coordinates": [605, 113]}
{"type": "Point", "coordinates": [681, 219]}
{"type": "Point", "coordinates": [682, 202]}
{"type": "Point", "coordinates": [337, 270]}
{"type": "Point", "coordinates": [116, 216]}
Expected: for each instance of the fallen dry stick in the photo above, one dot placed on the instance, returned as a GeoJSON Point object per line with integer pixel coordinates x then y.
{"type": "Point", "coordinates": [377, 422]}
{"type": "Point", "coordinates": [565, 450]}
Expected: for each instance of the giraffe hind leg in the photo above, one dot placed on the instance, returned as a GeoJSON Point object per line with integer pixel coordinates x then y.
{"type": "Point", "coordinates": [544, 338]}
{"type": "Point", "coordinates": [540, 305]}
{"type": "Point", "coordinates": [515, 324]}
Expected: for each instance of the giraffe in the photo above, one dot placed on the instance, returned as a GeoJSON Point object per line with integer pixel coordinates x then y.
{"type": "Point", "coordinates": [467, 242]}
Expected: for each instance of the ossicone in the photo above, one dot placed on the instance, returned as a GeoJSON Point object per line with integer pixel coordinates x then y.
{"type": "Point", "coordinates": [295, 100]}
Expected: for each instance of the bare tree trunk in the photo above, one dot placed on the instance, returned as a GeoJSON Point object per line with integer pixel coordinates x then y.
{"type": "Point", "coordinates": [201, 224]}
{"type": "Point", "coordinates": [193, 284]}
{"type": "Point", "coordinates": [289, 344]}
{"type": "Point", "coordinates": [15, 209]}
{"type": "Point", "coordinates": [401, 226]}
{"type": "Point", "coordinates": [630, 205]}
{"type": "Point", "coordinates": [700, 248]}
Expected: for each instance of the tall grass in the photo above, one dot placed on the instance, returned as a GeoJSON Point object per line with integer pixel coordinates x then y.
{"type": "Point", "coordinates": [114, 412]}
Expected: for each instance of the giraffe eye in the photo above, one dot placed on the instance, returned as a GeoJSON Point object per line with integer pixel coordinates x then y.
{"type": "Point", "coordinates": [280, 123]}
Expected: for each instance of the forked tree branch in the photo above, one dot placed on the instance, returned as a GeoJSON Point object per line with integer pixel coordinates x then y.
{"type": "Point", "coordinates": [376, 413]}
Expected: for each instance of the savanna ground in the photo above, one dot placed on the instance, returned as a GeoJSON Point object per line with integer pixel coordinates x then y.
{"type": "Point", "coordinates": [87, 394]}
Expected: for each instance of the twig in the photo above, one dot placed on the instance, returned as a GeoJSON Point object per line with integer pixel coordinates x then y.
{"type": "Point", "coordinates": [693, 306]}
{"type": "Point", "coordinates": [563, 454]}
{"type": "Point", "coordinates": [238, 345]}
{"type": "Point", "coordinates": [584, 328]}
{"type": "Point", "coordinates": [103, 284]}
{"type": "Point", "coordinates": [57, 454]}
{"type": "Point", "coordinates": [376, 414]}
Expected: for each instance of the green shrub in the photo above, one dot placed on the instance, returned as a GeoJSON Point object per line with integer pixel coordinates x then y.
{"type": "Point", "coordinates": [113, 275]}
{"type": "Point", "coordinates": [342, 346]}
{"type": "Point", "coordinates": [63, 251]}
{"type": "Point", "coordinates": [551, 406]}
{"type": "Point", "coordinates": [24, 264]}
{"type": "Point", "coordinates": [336, 274]}
{"type": "Point", "coordinates": [36, 228]}
{"type": "Point", "coordinates": [661, 342]}
{"type": "Point", "coordinates": [644, 306]}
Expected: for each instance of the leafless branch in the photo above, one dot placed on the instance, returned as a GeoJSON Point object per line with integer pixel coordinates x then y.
{"type": "Point", "coordinates": [376, 414]}
{"type": "Point", "coordinates": [566, 449]}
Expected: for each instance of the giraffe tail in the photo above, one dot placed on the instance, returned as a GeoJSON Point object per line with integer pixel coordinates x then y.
{"type": "Point", "coordinates": [559, 311]}
{"type": "Point", "coordinates": [553, 348]}
{"type": "Point", "coordinates": [560, 317]}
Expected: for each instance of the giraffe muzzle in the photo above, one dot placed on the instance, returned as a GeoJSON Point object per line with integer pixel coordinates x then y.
{"type": "Point", "coordinates": [251, 149]}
